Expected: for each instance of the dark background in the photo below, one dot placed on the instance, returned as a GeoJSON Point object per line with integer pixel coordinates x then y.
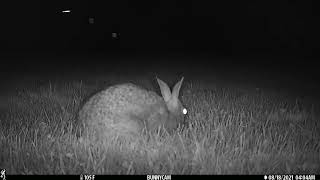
{"type": "Point", "coordinates": [266, 40]}
{"type": "Point", "coordinates": [274, 27]}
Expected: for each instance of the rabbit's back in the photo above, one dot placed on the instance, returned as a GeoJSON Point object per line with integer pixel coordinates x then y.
{"type": "Point", "coordinates": [131, 94]}
{"type": "Point", "coordinates": [119, 97]}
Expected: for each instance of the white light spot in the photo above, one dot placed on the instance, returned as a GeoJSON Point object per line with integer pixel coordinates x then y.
{"type": "Point", "coordinates": [66, 11]}
{"type": "Point", "coordinates": [91, 20]}
{"type": "Point", "coordinates": [184, 111]}
{"type": "Point", "coordinates": [114, 35]}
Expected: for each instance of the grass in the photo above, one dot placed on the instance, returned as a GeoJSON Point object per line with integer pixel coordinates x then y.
{"type": "Point", "coordinates": [228, 131]}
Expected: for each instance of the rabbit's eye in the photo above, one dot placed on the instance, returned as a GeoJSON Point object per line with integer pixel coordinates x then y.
{"type": "Point", "coordinates": [184, 111]}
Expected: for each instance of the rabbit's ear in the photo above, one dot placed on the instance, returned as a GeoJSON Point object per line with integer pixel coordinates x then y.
{"type": "Point", "coordinates": [165, 90]}
{"type": "Point", "coordinates": [176, 89]}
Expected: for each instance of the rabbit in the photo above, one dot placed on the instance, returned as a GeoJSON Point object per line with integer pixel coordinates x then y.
{"type": "Point", "coordinates": [127, 109]}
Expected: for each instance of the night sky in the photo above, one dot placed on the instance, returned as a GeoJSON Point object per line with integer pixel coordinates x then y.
{"type": "Point", "coordinates": [220, 27]}
{"type": "Point", "coordinates": [278, 37]}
